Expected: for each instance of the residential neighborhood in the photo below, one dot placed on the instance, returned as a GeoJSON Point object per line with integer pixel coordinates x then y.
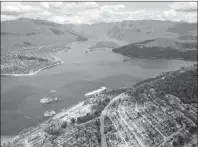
{"type": "Point", "coordinates": [117, 118]}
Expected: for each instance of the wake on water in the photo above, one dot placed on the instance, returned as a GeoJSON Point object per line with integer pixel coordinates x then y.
{"type": "Point", "coordinates": [28, 117]}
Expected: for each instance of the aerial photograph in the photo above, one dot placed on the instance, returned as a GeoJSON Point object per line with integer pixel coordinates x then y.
{"type": "Point", "coordinates": [99, 74]}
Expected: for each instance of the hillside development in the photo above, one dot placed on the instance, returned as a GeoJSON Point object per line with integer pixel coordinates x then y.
{"type": "Point", "coordinates": [21, 64]}
{"type": "Point", "coordinates": [28, 45]}
{"type": "Point", "coordinates": [157, 112]}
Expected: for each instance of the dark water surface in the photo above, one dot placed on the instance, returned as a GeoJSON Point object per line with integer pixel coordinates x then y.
{"type": "Point", "coordinates": [79, 74]}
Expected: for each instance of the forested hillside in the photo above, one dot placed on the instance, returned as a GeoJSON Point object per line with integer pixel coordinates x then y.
{"type": "Point", "coordinates": [181, 83]}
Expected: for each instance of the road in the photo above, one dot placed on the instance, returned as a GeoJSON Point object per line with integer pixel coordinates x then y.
{"type": "Point", "coordinates": [104, 112]}
{"type": "Point", "coordinates": [171, 136]}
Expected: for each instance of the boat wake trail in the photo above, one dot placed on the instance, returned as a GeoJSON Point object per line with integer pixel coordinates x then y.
{"type": "Point", "coordinates": [28, 117]}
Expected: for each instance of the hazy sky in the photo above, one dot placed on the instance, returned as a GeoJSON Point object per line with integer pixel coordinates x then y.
{"type": "Point", "coordinates": [92, 12]}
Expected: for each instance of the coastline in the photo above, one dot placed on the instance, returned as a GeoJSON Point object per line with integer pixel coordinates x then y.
{"type": "Point", "coordinates": [172, 58]}
{"type": "Point", "coordinates": [68, 110]}
{"type": "Point", "coordinates": [6, 139]}
{"type": "Point", "coordinates": [33, 73]}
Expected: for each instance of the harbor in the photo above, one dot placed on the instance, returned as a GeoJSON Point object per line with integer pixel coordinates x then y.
{"type": "Point", "coordinates": [73, 79]}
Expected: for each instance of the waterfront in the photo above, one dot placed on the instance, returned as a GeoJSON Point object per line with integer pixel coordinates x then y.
{"type": "Point", "coordinates": [80, 73]}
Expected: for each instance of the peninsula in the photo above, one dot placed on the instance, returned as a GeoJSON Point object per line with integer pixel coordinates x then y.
{"type": "Point", "coordinates": [17, 64]}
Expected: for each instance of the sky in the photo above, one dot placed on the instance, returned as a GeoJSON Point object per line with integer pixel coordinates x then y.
{"type": "Point", "coordinates": [94, 12]}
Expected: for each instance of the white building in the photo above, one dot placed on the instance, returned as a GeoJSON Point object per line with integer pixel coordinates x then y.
{"type": "Point", "coordinates": [95, 92]}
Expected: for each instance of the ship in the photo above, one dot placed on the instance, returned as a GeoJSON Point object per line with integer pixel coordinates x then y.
{"type": "Point", "coordinates": [127, 59]}
{"type": "Point", "coordinates": [49, 113]}
{"type": "Point", "coordinates": [86, 52]}
{"type": "Point", "coordinates": [52, 90]}
{"type": "Point", "coordinates": [95, 92]}
{"type": "Point", "coordinates": [47, 100]}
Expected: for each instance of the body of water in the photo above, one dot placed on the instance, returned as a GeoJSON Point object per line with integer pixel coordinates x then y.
{"type": "Point", "coordinates": [79, 74]}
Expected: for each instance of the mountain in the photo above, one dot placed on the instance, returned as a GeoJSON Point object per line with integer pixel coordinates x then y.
{"type": "Point", "coordinates": [159, 111]}
{"type": "Point", "coordinates": [161, 48]}
{"type": "Point", "coordinates": [105, 44]}
{"type": "Point", "coordinates": [96, 30]}
{"type": "Point", "coordinates": [32, 34]}
{"type": "Point", "coordinates": [133, 31]}
{"type": "Point", "coordinates": [28, 45]}
{"type": "Point", "coordinates": [181, 83]}
{"type": "Point", "coordinates": [188, 37]}
{"type": "Point", "coordinates": [183, 28]}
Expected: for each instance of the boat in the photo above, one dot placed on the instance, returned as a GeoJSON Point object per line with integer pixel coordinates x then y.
{"type": "Point", "coordinates": [91, 49]}
{"type": "Point", "coordinates": [47, 100]}
{"type": "Point", "coordinates": [49, 113]}
{"type": "Point", "coordinates": [52, 90]}
{"type": "Point", "coordinates": [127, 59]}
{"type": "Point", "coordinates": [95, 92]}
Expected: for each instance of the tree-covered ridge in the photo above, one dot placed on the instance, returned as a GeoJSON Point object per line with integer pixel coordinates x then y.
{"type": "Point", "coordinates": [181, 83]}
{"type": "Point", "coordinates": [161, 48]}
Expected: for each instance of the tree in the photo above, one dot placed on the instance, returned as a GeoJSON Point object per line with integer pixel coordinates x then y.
{"type": "Point", "coordinates": [180, 140]}
{"type": "Point", "coordinates": [175, 144]}
{"type": "Point", "coordinates": [73, 121]}
{"type": "Point", "coordinates": [64, 124]}
{"type": "Point", "coordinates": [97, 112]}
{"type": "Point", "coordinates": [88, 114]}
{"type": "Point", "coordinates": [193, 130]}
{"type": "Point", "coordinates": [53, 128]}
{"type": "Point", "coordinates": [98, 136]}
{"type": "Point", "coordinates": [179, 120]}
{"type": "Point", "coordinates": [78, 120]}
{"type": "Point", "coordinates": [97, 123]}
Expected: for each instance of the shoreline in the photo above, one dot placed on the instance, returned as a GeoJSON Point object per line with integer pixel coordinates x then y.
{"type": "Point", "coordinates": [68, 110]}
{"type": "Point", "coordinates": [172, 58]}
{"type": "Point", "coordinates": [33, 73]}
{"type": "Point", "coordinates": [6, 139]}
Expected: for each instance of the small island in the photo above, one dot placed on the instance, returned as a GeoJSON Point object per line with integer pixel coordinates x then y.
{"type": "Point", "coordinates": [102, 45]}
{"type": "Point", "coordinates": [24, 64]}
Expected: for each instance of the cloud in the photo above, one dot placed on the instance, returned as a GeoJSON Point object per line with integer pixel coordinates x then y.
{"type": "Point", "coordinates": [92, 12]}
{"type": "Point", "coordinates": [184, 6]}
{"type": "Point", "coordinates": [17, 8]}
{"type": "Point", "coordinates": [7, 17]}
{"type": "Point", "coordinates": [180, 16]}
{"type": "Point", "coordinates": [182, 11]}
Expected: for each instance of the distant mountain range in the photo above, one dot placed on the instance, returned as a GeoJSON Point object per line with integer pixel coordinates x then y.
{"type": "Point", "coordinates": [148, 38]}
{"type": "Point", "coordinates": [28, 33]}
{"type": "Point", "coordinates": [134, 31]}
{"type": "Point", "coordinates": [105, 44]}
